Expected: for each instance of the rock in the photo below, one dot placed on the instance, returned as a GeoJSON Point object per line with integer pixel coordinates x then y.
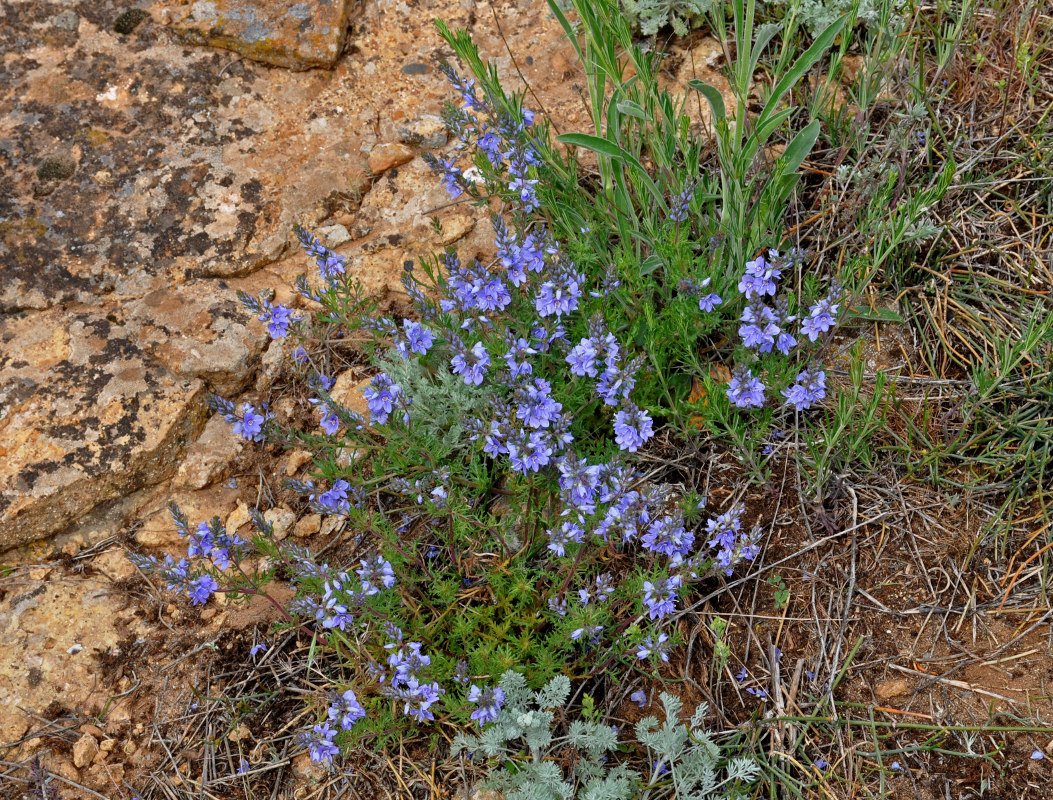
{"type": "Point", "coordinates": [455, 228]}
{"type": "Point", "coordinates": [307, 526]}
{"type": "Point", "coordinates": [282, 519]}
{"type": "Point", "coordinates": [129, 20]}
{"type": "Point", "coordinates": [297, 458]}
{"type": "Point", "coordinates": [85, 417]}
{"type": "Point", "coordinates": [299, 36]}
{"type": "Point", "coordinates": [275, 358]}
{"type": "Point", "coordinates": [93, 730]}
{"type": "Point", "coordinates": [208, 458]}
{"type": "Point", "coordinates": [428, 132]}
{"type": "Point", "coordinates": [887, 690]}
{"type": "Point", "coordinates": [114, 564]}
{"type": "Point", "coordinates": [159, 530]}
{"type": "Point", "coordinates": [107, 745]}
{"type": "Point", "coordinates": [238, 518]}
{"type": "Point", "coordinates": [335, 235]}
{"type": "Point", "coordinates": [333, 524]}
{"type": "Point", "coordinates": [56, 169]}
{"type": "Point", "coordinates": [387, 156]}
{"type": "Point", "coordinates": [347, 391]}
{"type": "Point", "coordinates": [199, 332]}
{"type": "Point", "coordinates": [67, 20]}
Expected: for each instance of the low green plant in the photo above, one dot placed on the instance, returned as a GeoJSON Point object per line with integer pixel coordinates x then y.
{"type": "Point", "coordinates": [648, 16]}
{"type": "Point", "coordinates": [685, 762]}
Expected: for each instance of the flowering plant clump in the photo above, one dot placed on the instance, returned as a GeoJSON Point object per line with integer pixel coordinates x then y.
{"type": "Point", "coordinates": [504, 521]}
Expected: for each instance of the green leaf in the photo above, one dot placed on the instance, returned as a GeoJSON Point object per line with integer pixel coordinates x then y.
{"type": "Point", "coordinates": [631, 109]}
{"type": "Point", "coordinates": [807, 60]}
{"type": "Point", "coordinates": [716, 102]}
{"type": "Point", "coordinates": [797, 151]}
{"type": "Point", "coordinates": [605, 147]}
{"type": "Point", "coordinates": [650, 264]}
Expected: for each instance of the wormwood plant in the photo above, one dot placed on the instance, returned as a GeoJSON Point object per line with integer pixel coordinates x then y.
{"type": "Point", "coordinates": [686, 763]}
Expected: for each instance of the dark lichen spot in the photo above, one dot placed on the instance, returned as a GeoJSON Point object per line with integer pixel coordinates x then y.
{"type": "Point", "coordinates": [415, 69]}
{"type": "Point", "coordinates": [127, 21]}
{"type": "Point", "coordinates": [56, 169]}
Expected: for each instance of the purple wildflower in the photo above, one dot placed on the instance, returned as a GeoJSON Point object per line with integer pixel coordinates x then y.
{"type": "Point", "coordinates": [471, 364]}
{"type": "Point", "coordinates": [632, 427]}
{"type": "Point", "coordinates": [249, 425]}
{"type": "Point", "coordinates": [320, 743]}
{"type": "Point", "coordinates": [489, 701]}
{"type": "Point", "coordinates": [381, 396]}
{"type": "Point", "coordinates": [657, 646]}
{"type": "Point", "coordinates": [201, 589]}
{"type": "Point", "coordinates": [346, 710]}
{"type": "Point", "coordinates": [661, 602]}
{"type": "Point", "coordinates": [809, 389]}
{"type": "Point", "coordinates": [744, 390]}
{"type": "Point", "coordinates": [759, 278]}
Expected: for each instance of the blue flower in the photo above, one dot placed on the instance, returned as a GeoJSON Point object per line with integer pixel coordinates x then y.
{"type": "Point", "coordinates": [249, 425]}
{"type": "Point", "coordinates": [759, 278]}
{"type": "Point", "coordinates": [346, 710]}
{"type": "Point", "coordinates": [201, 589]}
{"type": "Point", "coordinates": [632, 427]}
{"type": "Point", "coordinates": [529, 451]}
{"type": "Point", "coordinates": [489, 701]}
{"type": "Point", "coordinates": [560, 295]}
{"type": "Point", "coordinates": [708, 302]}
{"type": "Point", "coordinates": [639, 697]}
{"type": "Point", "coordinates": [471, 364]}
{"type": "Point", "coordinates": [329, 263]}
{"type": "Point", "coordinates": [810, 388]}
{"type": "Point", "coordinates": [320, 743]}
{"type": "Point", "coordinates": [381, 396]}
{"type": "Point", "coordinates": [418, 339]}
{"type": "Point", "coordinates": [744, 390]}
{"type": "Point", "coordinates": [536, 407]}
{"type": "Point", "coordinates": [567, 532]}
{"type": "Point", "coordinates": [376, 571]}
{"type": "Point", "coordinates": [654, 646]}
{"type": "Point", "coordinates": [661, 603]}
{"type": "Point", "coordinates": [334, 500]}
{"type": "Point", "coordinates": [582, 359]}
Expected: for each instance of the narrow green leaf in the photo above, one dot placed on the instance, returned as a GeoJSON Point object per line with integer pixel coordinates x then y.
{"type": "Point", "coordinates": [605, 147]}
{"type": "Point", "coordinates": [650, 264]}
{"type": "Point", "coordinates": [716, 102]}
{"type": "Point", "coordinates": [631, 109]}
{"type": "Point", "coordinates": [806, 61]}
{"type": "Point", "coordinates": [797, 151]}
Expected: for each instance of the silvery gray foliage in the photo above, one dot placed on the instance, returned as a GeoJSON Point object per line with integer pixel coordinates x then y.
{"type": "Point", "coordinates": [652, 15]}
{"type": "Point", "coordinates": [686, 762]}
{"type": "Point", "coordinates": [688, 756]}
{"type": "Point", "coordinates": [441, 400]}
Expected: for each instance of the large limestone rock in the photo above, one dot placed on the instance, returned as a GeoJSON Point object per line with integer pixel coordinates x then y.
{"type": "Point", "coordinates": [298, 35]}
{"type": "Point", "coordinates": [85, 417]}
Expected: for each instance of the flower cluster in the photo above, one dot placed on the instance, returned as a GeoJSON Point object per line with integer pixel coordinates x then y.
{"type": "Point", "coordinates": [552, 417]}
{"type": "Point", "coordinates": [767, 328]}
